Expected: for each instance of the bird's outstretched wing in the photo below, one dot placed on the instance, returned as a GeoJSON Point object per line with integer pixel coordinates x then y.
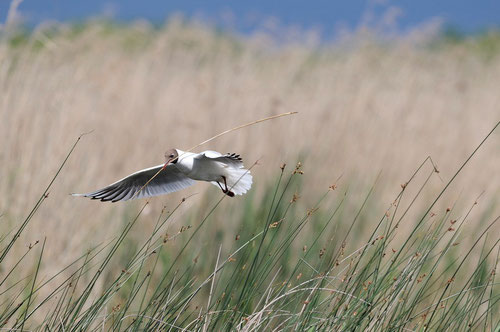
{"type": "Point", "coordinates": [169, 180]}
{"type": "Point", "coordinates": [230, 159]}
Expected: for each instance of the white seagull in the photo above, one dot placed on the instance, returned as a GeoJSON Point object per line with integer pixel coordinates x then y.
{"type": "Point", "coordinates": [179, 172]}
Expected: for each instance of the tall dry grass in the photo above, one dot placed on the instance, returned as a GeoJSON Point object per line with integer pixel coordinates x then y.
{"type": "Point", "coordinates": [365, 109]}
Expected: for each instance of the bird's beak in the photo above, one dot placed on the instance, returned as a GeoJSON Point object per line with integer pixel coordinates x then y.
{"type": "Point", "coordinates": [169, 162]}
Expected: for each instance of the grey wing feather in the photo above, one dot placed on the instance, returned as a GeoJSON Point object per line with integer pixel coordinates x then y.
{"type": "Point", "coordinates": [167, 181]}
{"type": "Point", "coordinates": [231, 159]}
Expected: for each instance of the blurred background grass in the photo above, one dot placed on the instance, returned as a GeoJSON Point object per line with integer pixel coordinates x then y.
{"type": "Point", "coordinates": [369, 108]}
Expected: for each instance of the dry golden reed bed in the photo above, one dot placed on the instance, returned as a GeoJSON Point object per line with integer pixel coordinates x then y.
{"type": "Point", "coordinates": [363, 109]}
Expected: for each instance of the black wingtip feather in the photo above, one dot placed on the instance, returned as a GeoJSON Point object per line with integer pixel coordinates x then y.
{"type": "Point", "coordinates": [234, 156]}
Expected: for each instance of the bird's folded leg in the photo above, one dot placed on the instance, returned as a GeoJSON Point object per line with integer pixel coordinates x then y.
{"type": "Point", "coordinates": [221, 187]}
{"type": "Point", "coordinates": [227, 191]}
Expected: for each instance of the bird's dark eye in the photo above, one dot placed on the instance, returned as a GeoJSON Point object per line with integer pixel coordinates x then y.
{"type": "Point", "coordinates": [171, 156]}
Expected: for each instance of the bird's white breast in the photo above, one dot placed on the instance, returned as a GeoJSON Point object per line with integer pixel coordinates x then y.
{"type": "Point", "coordinates": [200, 168]}
{"type": "Point", "coordinates": [185, 162]}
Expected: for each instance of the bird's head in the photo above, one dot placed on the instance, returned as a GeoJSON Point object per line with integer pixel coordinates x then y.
{"type": "Point", "coordinates": [171, 157]}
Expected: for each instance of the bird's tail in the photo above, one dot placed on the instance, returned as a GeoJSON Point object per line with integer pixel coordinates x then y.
{"type": "Point", "coordinates": [239, 180]}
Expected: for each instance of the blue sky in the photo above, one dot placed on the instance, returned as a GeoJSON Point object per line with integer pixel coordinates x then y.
{"type": "Point", "coordinates": [324, 15]}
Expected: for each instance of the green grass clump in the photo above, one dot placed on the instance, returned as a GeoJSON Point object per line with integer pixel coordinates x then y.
{"type": "Point", "coordinates": [288, 269]}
